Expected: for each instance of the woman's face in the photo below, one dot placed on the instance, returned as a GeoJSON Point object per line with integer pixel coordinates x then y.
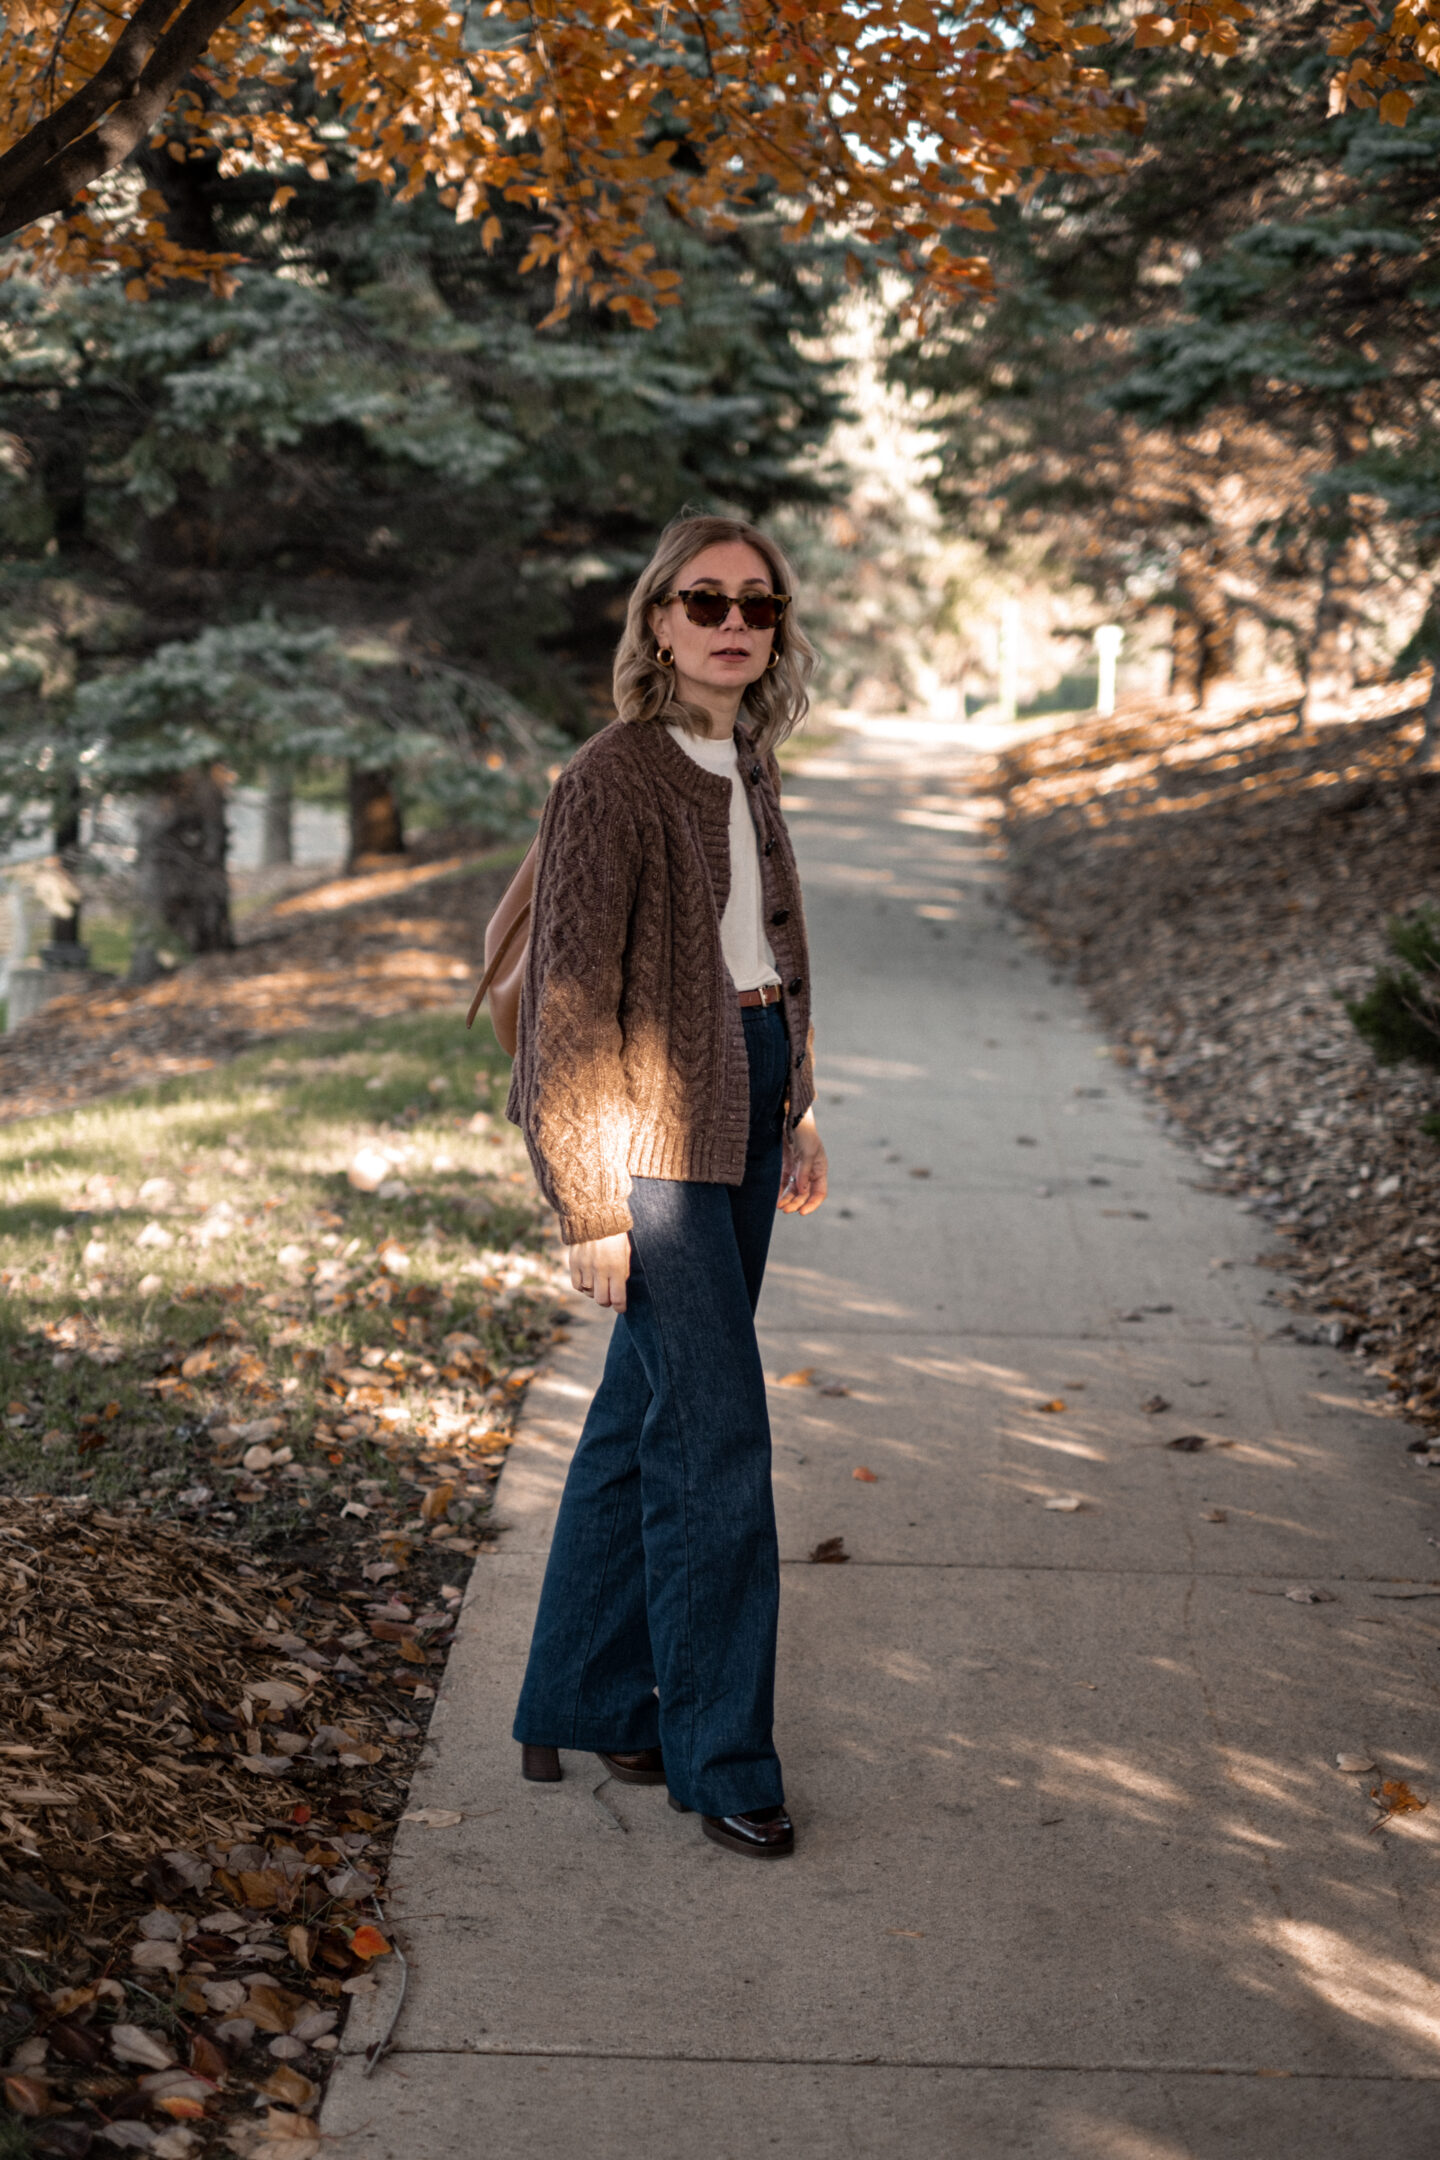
{"type": "Point", "coordinates": [730, 657]}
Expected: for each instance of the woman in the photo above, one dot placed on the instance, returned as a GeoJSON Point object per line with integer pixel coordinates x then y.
{"type": "Point", "coordinates": [664, 1082]}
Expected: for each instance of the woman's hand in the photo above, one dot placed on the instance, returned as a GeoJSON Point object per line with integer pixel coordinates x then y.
{"type": "Point", "coordinates": [601, 1268]}
{"type": "Point", "coordinates": [806, 1174]}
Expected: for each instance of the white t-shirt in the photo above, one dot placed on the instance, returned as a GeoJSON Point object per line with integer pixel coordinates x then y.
{"type": "Point", "coordinates": [742, 931]}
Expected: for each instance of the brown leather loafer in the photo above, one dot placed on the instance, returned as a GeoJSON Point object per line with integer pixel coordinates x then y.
{"type": "Point", "coordinates": [765, 1833]}
{"type": "Point", "coordinates": [541, 1765]}
{"type": "Point", "coordinates": [647, 1767]}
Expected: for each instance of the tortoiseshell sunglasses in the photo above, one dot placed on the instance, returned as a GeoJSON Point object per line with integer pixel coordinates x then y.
{"type": "Point", "coordinates": [707, 610]}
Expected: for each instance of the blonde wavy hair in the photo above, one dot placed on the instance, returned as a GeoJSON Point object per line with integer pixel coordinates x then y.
{"type": "Point", "coordinates": [644, 690]}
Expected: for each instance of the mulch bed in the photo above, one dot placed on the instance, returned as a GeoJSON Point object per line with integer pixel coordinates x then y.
{"type": "Point", "coordinates": [203, 1764]}
{"type": "Point", "coordinates": [1220, 886]}
{"type": "Point", "coordinates": [407, 938]}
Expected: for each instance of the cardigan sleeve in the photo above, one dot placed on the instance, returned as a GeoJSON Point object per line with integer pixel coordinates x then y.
{"type": "Point", "coordinates": [569, 1093]}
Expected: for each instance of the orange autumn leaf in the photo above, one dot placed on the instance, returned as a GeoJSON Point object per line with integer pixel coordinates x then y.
{"type": "Point", "coordinates": [1056, 1404]}
{"type": "Point", "coordinates": [368, 1942]}
{"type": "Point", "coordinates": [802, 1378]}
{"type": "Point", "coordinates": [182, 2109]}
{"type": "Point", "coordinates": [866, 1477]}
{"type": "Point", "coordinates": [1395, 1797]}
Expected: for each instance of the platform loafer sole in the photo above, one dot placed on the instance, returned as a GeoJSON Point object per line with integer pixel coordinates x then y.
{"type": "Point", "coordinates": [718, 1829]}
{"type": "Point", "coordinates": [721, 1830]}
{"type": "Point", "coordinates": [645, 1767]}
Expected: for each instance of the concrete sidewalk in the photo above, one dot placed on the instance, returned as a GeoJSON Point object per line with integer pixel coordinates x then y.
{"type": "Point", "coordinates": [1077, 1874]}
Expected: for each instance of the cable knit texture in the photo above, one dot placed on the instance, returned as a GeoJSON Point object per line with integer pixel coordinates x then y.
{"type": "Point", "coordinates": [631, 1056]}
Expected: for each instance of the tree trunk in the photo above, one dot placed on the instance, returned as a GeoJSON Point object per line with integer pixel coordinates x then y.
{"type": "Point", "coordinates": [1202, 653]}
{"type": "Point", "coordinates": [65, 929]}
{"type": "Point", "coordinates": [181, 852]}
{"type": "Point", "coordinates": [1324, 609]}
{"type": "Point", "coordinates": [1430, 739]}
{"type": "Point", "coordinates": [375, 827]}
{"type": "Point", "coordinates": [277, 837]}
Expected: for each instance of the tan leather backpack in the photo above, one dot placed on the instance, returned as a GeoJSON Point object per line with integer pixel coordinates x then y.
{"type": "Point", "coordinates": [507, 942]}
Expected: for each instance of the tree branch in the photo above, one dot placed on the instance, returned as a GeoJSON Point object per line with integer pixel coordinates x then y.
{"type": "Point", "coordinates": [119, 73]}
{"type": "Point", "coordinates": [97, 128]}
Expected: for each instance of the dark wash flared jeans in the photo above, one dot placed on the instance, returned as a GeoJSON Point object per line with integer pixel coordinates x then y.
{"type": "Point", "coordinates": [658, 1613]}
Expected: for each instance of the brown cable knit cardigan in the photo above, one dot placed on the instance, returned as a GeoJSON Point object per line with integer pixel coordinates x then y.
{"type": "Point", "coordinates": [631, 1059]}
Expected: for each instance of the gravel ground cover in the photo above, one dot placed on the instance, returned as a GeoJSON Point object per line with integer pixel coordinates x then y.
{"type": "Point", "coordinates": [1220, 887]}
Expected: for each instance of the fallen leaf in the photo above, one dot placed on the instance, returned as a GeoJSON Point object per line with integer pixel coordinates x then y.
{"type": "Point", "coordinates": [1214, 1514]}
{"type": "Point", "coordinates": [1396, 1798]}
{"type": "Point", "coordinates": [1154, 1404]}
{"type": "Point", "coordinates": [206, 2058]}
{"type": "Point", "coordinates": [283, 1694]}
{"type": "Point", "coordinates": [368, 1942]}
{"type": "Point", "coordinates": [290, 2086]}
{"type": "Point", "coordinates": [150, 1956]}
{"type": "Point", "coordinates": [299, 1942]}
{"type": "Point", "coordinates": [1056, 1404]}
{"type": "Point", "coordinates": [198, 1362]}
{"type": "Point", "coordinates": [181, 2107]}
{"type": "Point", "coordinates": [835, 1389]}
{"type": "Point", "coordinates": [436, 1503]}
{"type": "Point", "coordinates": [411, 1651]}
{"type": "Point", "coordinates": [1308, 1594]}
{"type": "Point", "coordinates": [368, 1169]}
{"type": "Point", "coordinates": [866, 1477]}
{"type": "Point", "coordinates": [1064, 1507]}
{"type": "Point", "coordinates": [287, 2137]}
{"type": "Point", "coordinates": [270, 2008]}
{"type": "Point", "coordinates": [434, 1818]}
{"type": "Point", "coordinates": [77, 2043]}
{"type": "Point", "coordinates": [802, 1378]}
{"type": "Point", "coordinates": [919, 1173]}
{"type": "Point", "coordinates": [1354, 1763]}
{"type": "Point", "coordinates": [829, 1552]}
{"type": "Point", "coordinates": [29, 2096]}
{"type": "Point", "coordinates": [136, 2044]}
{"type": "Point", "coordinates": [262, 1888]}
{"type": "Point", "coordinates": [1189, 1443]}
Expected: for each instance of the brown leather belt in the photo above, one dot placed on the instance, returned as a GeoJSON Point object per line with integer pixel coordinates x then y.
{"type": "Point", "coordinates": [767, 994]}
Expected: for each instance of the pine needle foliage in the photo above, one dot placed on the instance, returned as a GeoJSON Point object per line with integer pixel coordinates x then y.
{"type": "Point", "coordinates": [1399, 1016]}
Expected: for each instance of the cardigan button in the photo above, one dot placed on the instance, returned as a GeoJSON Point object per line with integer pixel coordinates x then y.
{"type": "Point", "coordinates": [795, 986]}
{"type": "Point", "coordinates": [799, 1061]}
{"type": "Point", "coordinates": [781, 914]}
{"type": "Point", "coordinates": [769, 847]}
{"type": "Point", "coordinates": [755, 771]}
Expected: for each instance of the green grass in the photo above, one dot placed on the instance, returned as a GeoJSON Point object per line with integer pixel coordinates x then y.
{"type": "Point", "coordinates": [109, 1281]}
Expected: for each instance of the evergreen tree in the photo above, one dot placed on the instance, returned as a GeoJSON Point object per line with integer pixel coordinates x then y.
{"type": "Point", "coordinates": [378, 439]}
{"type": "Point", "coordinates": [1182, 366]}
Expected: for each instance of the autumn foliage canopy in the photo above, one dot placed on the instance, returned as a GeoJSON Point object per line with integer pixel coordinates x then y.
{"type": "Point", "coordinates": [893, 120]}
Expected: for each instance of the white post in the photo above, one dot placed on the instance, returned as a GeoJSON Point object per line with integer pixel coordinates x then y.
{"type": "Point", "coordinates": [1009, 659]}
{"type": "Point", "coordinates": [1108, 640]}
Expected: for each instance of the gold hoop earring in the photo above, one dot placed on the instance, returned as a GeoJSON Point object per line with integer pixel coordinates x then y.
{"type": "Point", "coordinates": [665, 656]}
{"type": "Point", "coordinates": [773, 661]}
